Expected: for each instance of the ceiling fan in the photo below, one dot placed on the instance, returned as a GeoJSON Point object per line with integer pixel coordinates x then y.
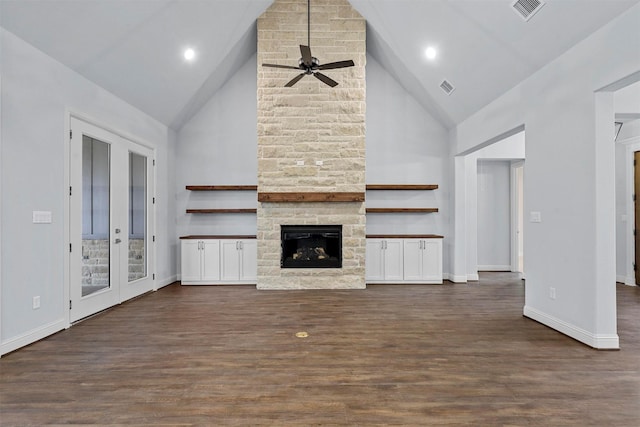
{"type": "Point", "coordinates": [310, 64]}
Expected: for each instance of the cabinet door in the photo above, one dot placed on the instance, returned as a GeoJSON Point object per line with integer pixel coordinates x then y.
{"type": "Point", "coordinates": [249, 260]}
{"type": "Point", "coordinates": [210, 260]}
{"type": "Point", "coordinates": [393, 265]}
{"type": "Point", "coordinates": [374, 260]}
{"type": "Point", "coordinates": [230, 260]}
{"type": "Point", "coordinates": [413, 259]}
{"type": "Point", "coordinates": [190, 261]}
{"type": "Point", "coordinates": [432, 260]}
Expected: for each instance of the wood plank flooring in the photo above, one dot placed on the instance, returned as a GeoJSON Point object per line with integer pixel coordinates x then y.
{"type": "Point", "coordinates": [454, 355]}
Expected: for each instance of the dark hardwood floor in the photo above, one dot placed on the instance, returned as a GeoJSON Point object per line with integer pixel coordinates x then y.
{"type": "Point", "coordinates": [390, 355]}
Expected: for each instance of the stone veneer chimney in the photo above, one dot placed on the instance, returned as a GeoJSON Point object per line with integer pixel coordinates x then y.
{"type": "Point", "coordinates": [311, 122]}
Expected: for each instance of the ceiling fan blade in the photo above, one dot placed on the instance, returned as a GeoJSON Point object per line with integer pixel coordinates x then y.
{"type": "Point", "coordinates": [295, 80]}
{"type": "Point", "coordinates": [288, 67]}
{"type": "Point", "coordinates": [339, 64]}
{"type": "Point", "coordinates": [306, 55]}
{"type": "Point", "coordinates": [326, 79]}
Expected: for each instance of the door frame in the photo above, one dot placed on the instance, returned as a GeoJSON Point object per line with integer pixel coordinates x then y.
{"type": "Point", "coordinates": [69, 113]}
{"type": "Point", "coordinates": [631, 146]}
{"type": "Point", "coordinates": [516, 214]}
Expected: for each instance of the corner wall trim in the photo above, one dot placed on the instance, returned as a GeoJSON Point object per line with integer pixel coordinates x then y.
{"type": "Point", "coordinates": [457, 278]}
{"type": "Point", "coordinates": [32, 336]}
{"type": "Point", "coordinates": [473, 277]}
{"type": "Point", "coordinates": [601, 342]}
{"type": "Point", "coordinates": [167, 281]}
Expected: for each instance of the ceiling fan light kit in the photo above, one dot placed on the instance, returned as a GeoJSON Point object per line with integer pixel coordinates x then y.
{"type": "Point", "coordinates": [308, 64]}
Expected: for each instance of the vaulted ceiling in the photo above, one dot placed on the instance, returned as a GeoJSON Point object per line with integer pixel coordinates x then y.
{"type": "Point", "coordinates": [133, 48]}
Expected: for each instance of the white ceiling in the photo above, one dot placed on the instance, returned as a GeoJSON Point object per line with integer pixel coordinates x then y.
{"type": "Point", "coordinates": [133, 48]}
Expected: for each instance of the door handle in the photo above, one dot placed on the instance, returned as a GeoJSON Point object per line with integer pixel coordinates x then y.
{"type": "Point", "coordinates": [117, 241]}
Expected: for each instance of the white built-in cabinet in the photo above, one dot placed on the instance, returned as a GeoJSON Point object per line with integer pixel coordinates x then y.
{"type": "Point", "coordinates": [384, 260]}
{"type": "Point", "coordinates": [238, 261]}
{"type": "Point", "coordinates": [200, 261]}
{"type": "Point", "coordinates": [218, 260]}
{"type": "Point", "coordinates": [404, 260]}
{"type": "Point", "coordinates": [422, 260]}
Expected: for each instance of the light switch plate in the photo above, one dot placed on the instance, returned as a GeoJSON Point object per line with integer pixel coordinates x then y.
{"type": "Point", "coordinates": [535, 217]}
{"type": "Point", "coordinates": [42, 217]}
{"type": "Point", "coordinates": [300, 162]}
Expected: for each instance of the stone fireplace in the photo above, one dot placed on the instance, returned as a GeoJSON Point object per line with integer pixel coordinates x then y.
{"type": "Point", "coordinates": [311, 141]}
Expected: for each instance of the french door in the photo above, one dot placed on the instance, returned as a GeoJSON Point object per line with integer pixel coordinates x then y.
{"type": "Point", "coordinates": [111, 219]}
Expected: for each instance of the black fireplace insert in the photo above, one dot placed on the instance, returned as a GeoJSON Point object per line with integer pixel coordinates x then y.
{"type": "Point", "coordinates": [311, 246]}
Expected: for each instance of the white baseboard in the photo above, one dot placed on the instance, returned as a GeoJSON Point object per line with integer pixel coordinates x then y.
{"type": "Point", "coordinates": [473, 277]}
{"type": "Point", "coordinates": [459, 278]}
{"type": "Point", "coordinates": [32, 336]}
{"type": "Point", "coordinates": [627, 280]}
{"type": "Point", "coordinates": [494, 268]}
{"type": "Point", "coordinates": [166, 281]}
{"type": "Point", "coordinates": [602, 342]}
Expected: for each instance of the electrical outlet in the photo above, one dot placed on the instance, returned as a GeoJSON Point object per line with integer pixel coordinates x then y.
{"type": "Point", "coordinates": [36, 302]}
{"type": "Point", "coordinates": [552, 293]}
{"type": "Point", "coordinates": [319, 162]}
{"type": "Point", "coordinates": [299, 162]}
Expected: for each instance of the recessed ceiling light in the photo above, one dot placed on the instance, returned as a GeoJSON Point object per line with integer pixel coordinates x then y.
{"type": "Point", "coordinates": [431, 52]}
{"type": "Point", "coordinates": [189, 54]}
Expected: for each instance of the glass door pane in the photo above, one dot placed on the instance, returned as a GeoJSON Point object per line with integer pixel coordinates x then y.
{"type": "Point", "coordinates": [96, 254]}
{"type": "Point", "coordinates": [137, 217]}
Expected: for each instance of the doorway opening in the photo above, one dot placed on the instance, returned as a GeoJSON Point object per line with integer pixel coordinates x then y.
{"type": "Point", "coordinates": [627, 183]}
{"type": "Point", "coordinates": [486, 181]}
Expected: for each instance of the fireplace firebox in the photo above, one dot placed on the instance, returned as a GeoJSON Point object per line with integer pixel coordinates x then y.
{"type": "Point", "coordinates": [311, 246]}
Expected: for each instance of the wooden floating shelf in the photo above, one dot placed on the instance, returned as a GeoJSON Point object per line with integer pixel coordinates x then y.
{"type": "Point", "coordinates": [220, 211]}
{"type": "Point", "coordinates": [401, 210]}
{"type": "Point", "coordinates": [222, 187]}
{"type": "Point", "coordinates": [404, 236]}
{"type": "Point", "coordinates": [402, 186]}
{"type": "Point", "coordinates": [310, 197]}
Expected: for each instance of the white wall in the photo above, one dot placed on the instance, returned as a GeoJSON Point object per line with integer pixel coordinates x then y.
{"type": "Point", "coordinates": [405, 145]}
{"type": "Point", "coordinates": [218, 147]}
{"type": "Point", "coordinates": [622, 216]}
{"type": "Point", "coordinates": [494, 215]}
{"type": "Point", "coordinates": [569, 178]}
{"type": "Point", "coordinates": [37, 95]}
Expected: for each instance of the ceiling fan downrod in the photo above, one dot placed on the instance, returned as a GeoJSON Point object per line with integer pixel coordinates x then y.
{"type": "Point", "coordinates": [309, 23]}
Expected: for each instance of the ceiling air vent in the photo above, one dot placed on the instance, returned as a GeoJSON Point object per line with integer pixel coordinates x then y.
{"type": "Point", "coordinates": [447, 87]}
{"type": "Point", "coordinates": [527, 8]}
